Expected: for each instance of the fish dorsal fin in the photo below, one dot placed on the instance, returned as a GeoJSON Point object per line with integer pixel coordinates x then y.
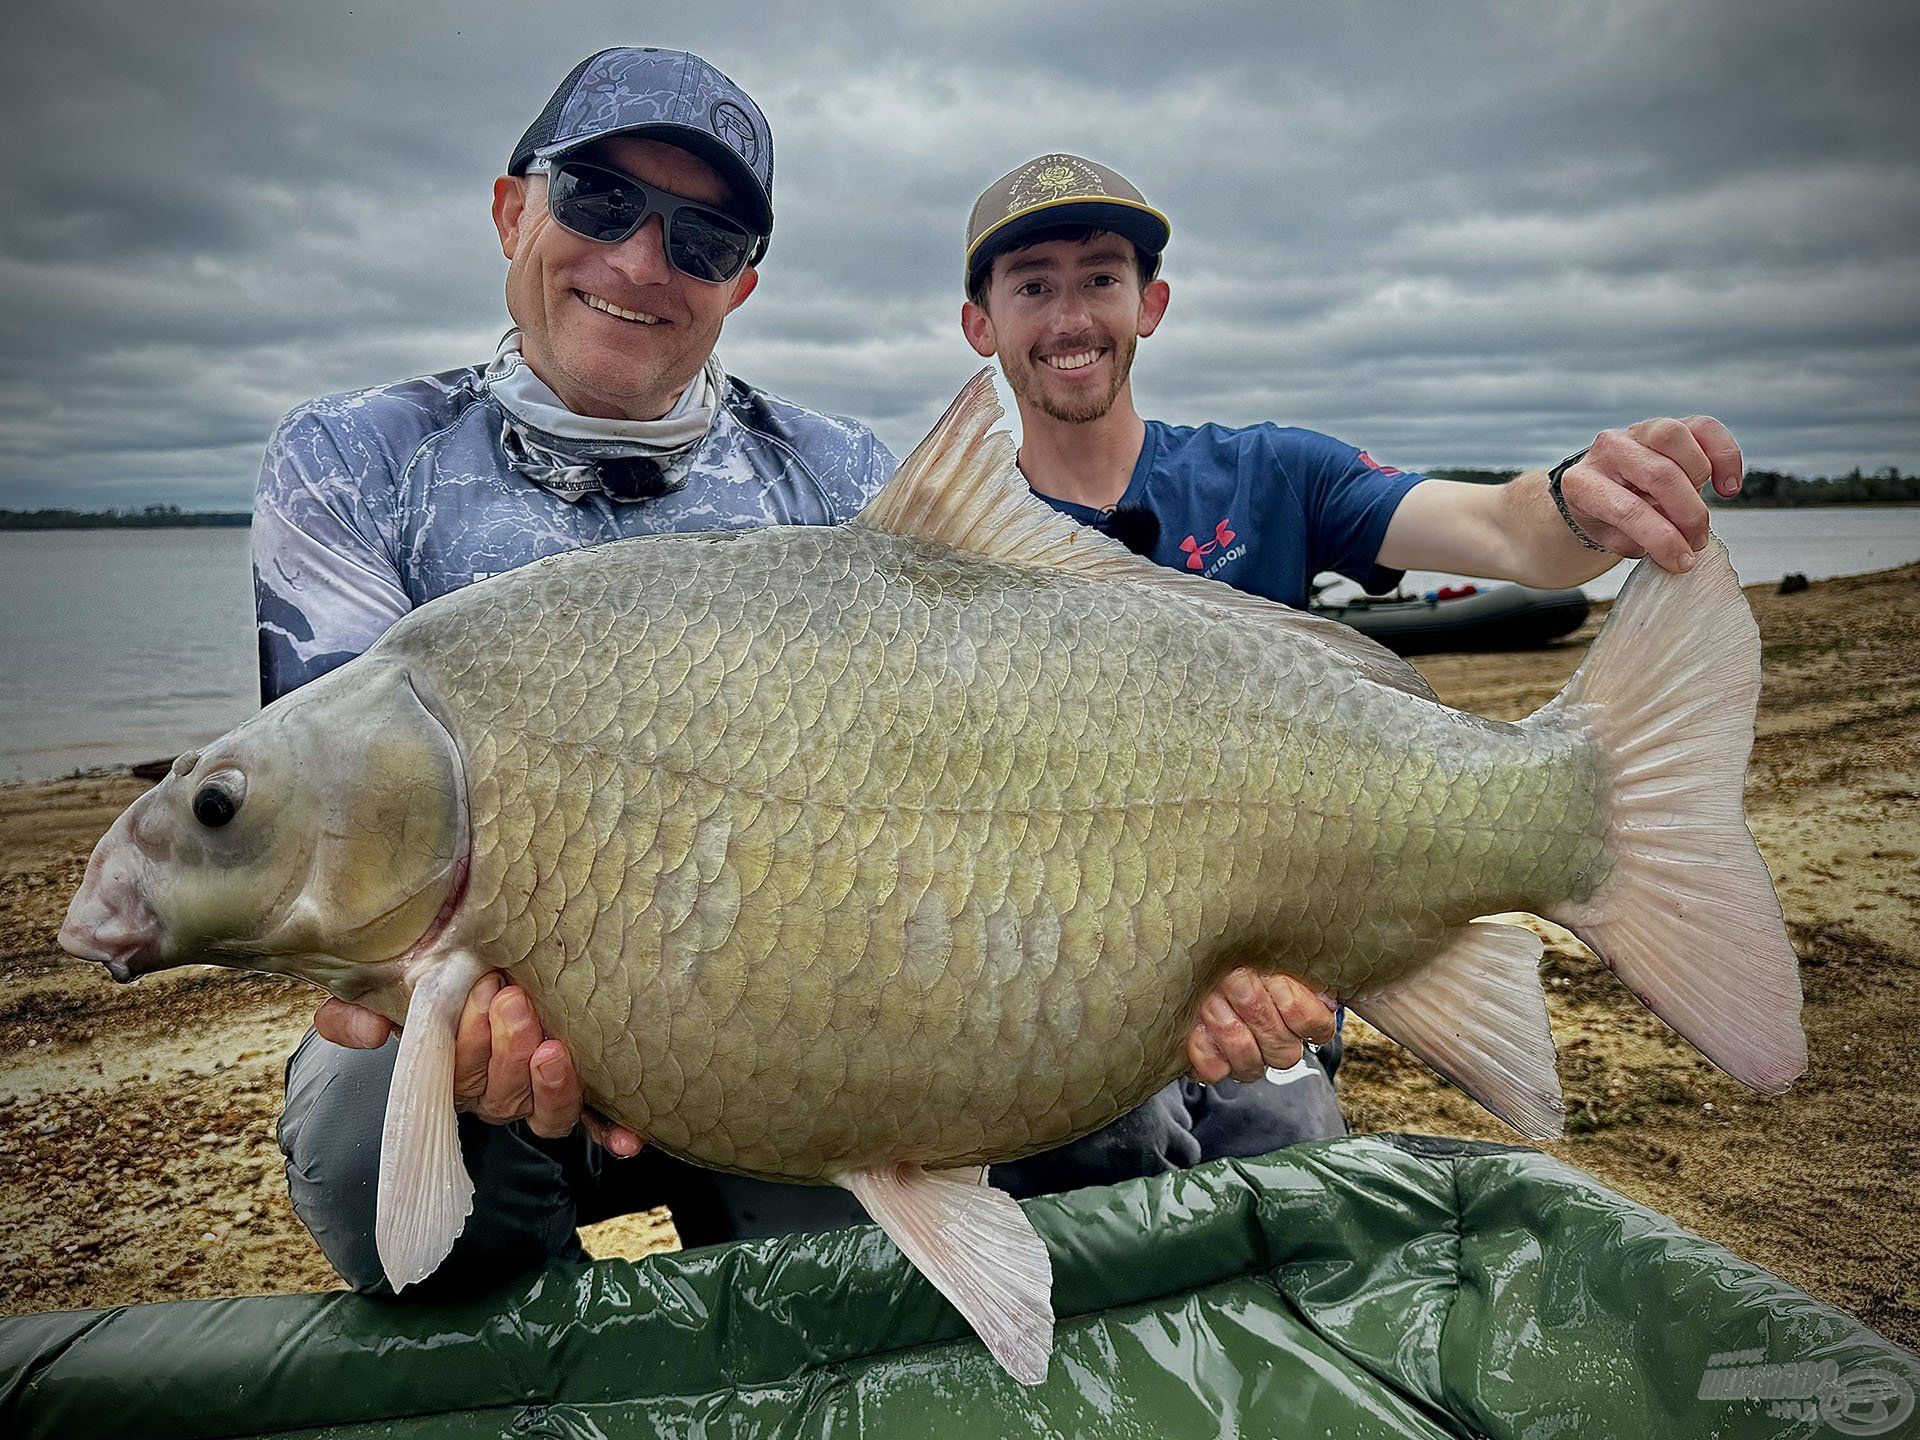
{"type": "Point", "coordinates": [961, 488]}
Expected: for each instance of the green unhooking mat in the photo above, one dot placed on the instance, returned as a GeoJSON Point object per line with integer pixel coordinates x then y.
{"type": "Point", "coordinates": [1379, 1285]}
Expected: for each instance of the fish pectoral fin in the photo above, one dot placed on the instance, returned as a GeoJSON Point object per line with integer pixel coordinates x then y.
{"type": "Point", "coordinates": [425, 1194]}
{"type": "Point", "coordinates": [977, 1246]}
{"type": "Point", "coordinates": [1478, 1015]}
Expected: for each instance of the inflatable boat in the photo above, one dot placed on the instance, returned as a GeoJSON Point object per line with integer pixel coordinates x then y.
{"type": "Point", "coordinates": [1464, 617]}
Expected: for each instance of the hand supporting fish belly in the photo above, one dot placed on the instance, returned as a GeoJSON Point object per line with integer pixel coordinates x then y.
{"type": "Point", "coordinates": [505, 1068]}
{"type": "Point", "coordinates": [872, 856]}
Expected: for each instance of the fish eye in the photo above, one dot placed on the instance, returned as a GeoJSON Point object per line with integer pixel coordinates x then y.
{"type": "Point", "coordinates": [214, 806]}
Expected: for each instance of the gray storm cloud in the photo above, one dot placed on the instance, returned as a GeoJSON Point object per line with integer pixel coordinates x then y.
{"type": "Point", "coordinates": [1471, 234]}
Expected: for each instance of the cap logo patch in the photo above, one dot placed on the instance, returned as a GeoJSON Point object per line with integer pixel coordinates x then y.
{"type": "Point", "coordinates": [733, 126]}
{"type": "Point", "coordinates": [1052, 177]}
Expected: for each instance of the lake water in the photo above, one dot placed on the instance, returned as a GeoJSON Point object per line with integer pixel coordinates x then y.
{"type": "Point", "coordinates": [1766, 544]}
{"type": "Point", "coordinates": [127, 645]}
{"type": "Point", "coordinates": [121, 645]}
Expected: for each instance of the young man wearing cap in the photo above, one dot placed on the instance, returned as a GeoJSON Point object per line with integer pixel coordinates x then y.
{"type": "Point", "coordinates": [1062, 265]}
{"type": "Point", "coordinates": [632, 214]}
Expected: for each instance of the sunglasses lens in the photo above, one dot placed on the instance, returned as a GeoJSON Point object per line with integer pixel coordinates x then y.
{"type": "Point", "coordinates": [597, 204]}
{"type": "Point", "coordinates": [605, 205]}
{"type": "Point", "coordinates": [708, 245]}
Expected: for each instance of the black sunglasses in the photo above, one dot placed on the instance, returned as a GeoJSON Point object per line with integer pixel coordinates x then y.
{"type": "Point", "coordinates": [601, 204]}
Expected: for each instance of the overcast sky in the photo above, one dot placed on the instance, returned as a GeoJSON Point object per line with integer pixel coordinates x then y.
{"type": "Point", "coordinates": [1460, 233]}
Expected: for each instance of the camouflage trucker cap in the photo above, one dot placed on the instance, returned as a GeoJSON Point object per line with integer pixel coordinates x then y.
{"type": "Point", "coordinates": [666, 95]}
{"type": "Point", "coordinates": [1058, 190]}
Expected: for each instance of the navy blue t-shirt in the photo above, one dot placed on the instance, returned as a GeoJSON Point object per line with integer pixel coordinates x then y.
{"type": "Point", "coordinates": [1263, 509]}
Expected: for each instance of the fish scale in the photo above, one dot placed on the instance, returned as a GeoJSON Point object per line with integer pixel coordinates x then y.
{"type": "Point", "coordinates": [1136, 827]}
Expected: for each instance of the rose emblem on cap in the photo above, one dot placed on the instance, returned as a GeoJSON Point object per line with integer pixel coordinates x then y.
{"type": "Point", "coordinates": [1050, 177]}
{"type": "Point", "coordinates": [1058, 191]}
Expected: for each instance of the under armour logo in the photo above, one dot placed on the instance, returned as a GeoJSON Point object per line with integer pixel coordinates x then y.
{"type": "Point", "coordinates": [1198, 550]}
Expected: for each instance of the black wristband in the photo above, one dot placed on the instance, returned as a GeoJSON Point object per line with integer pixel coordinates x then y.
{"type": "Point", "coordinates": [1560, 501]}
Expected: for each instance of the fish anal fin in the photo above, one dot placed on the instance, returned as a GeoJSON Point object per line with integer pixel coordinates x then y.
{"type": "Point", "coordinates": [977, 1247]}
{"type": "Point", "coordinates": [962, 488]}
{"type": "Point", "coordinates": [425, 1194]}
{"type": "Point", "coordinates": [1478, 1016]}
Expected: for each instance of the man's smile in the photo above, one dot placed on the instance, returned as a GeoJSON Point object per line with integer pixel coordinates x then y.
{"type": "Point", "coordinates": [607, 307]}
{"type": "Point", "coordinates": [1077, 360]}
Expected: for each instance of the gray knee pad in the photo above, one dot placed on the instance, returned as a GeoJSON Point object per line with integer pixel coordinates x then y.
{"type": "Point", "coordinates": [1155, 1138]}
{"type": "Point", "coordinates": [1231, 1119]}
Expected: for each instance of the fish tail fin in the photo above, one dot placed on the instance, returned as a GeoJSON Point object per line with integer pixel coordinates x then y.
{"type": "Point", "coordinates": [1687, 917]}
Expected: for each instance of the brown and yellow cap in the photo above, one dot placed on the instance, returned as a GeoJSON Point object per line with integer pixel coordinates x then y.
{"type": "Point", "coordinates": [1059, 190]}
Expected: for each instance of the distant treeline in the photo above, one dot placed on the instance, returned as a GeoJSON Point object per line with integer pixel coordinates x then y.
{"type": "Point", "coordinates": [1771, 487]}
{"type": "Point", "coordinates": [148, 517]}
{"type": "Point", "coordinates": [1883, 487]}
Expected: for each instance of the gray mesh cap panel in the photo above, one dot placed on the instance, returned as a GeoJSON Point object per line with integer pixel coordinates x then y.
{"type": "Point", "coordinates": [669, 92]}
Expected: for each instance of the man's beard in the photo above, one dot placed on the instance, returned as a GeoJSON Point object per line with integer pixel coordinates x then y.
{"type": "Point", "coordinates": [1082, 408]}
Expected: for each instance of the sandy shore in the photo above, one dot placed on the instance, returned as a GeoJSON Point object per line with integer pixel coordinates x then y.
{"type": "Point", "coordinates": [137, 1159]}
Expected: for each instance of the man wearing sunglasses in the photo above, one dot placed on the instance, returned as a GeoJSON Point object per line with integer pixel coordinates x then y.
{"type": "Point", "coordinates": [632, 215]}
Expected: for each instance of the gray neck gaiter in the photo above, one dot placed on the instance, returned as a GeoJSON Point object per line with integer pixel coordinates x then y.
{"type": "Point", "coordinates": [574, 456]}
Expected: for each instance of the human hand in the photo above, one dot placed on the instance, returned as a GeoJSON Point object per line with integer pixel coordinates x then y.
{"type": "Point", "coordinates": [1637, 491]}
{"type": "Point", "coordinates": [504, 1066]}
{"type": "Point", "coordinates": [1250, 1023]}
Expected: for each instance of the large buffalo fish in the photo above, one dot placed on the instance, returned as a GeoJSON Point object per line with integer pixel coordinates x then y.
{"type": "Point", "coordinates": [869, 856]}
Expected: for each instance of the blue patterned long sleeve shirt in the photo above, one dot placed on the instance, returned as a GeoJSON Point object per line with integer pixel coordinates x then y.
{"type": "Point", "coordinates": [377, 501]}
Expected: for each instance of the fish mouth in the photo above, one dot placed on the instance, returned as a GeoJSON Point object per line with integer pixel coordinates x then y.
{"type": "Point", "coordinates": [125, 943]}
{"type": "Point", "coordinates": [125, 963]}
{"type": "Point", "coordinates": [109, 921]}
